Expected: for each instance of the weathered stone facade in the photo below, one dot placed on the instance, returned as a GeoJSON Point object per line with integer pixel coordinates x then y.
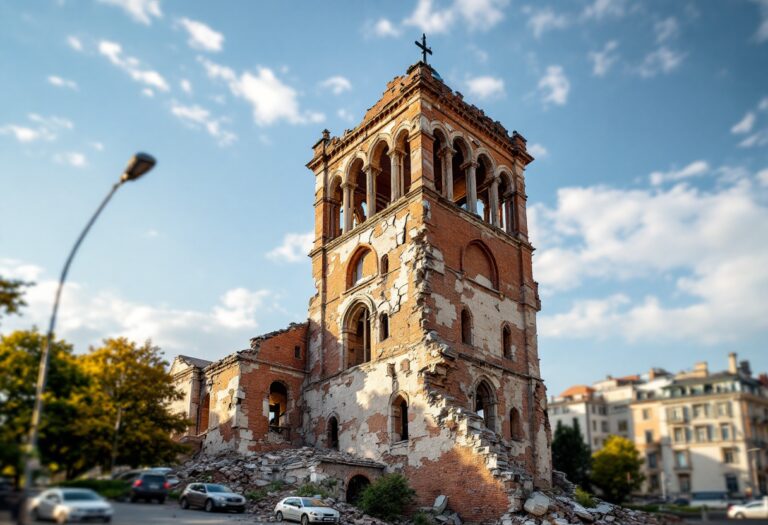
{"type": "Point", "coordinates": [420, 351]}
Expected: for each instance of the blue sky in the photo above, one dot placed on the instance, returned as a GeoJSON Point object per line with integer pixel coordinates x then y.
{"type": "Point", "coordinates": [648, 200]}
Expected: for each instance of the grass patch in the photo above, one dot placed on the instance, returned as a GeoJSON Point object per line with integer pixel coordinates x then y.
{"type": "Point", "coordinates": [422, 518]}
{"type": "Point", "coordinates": [256, 495]}
{"type": "Point", "coordinates": [584, 498]}
{"type": "Point", "coordinates": [276, 486]}
{"type": "Point", "coordinates": [107, 488]}
{"type": "Point", "coordinates": [324, 489]}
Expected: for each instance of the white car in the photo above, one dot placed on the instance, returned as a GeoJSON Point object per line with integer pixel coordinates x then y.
{"type": "Point", "coordinates": [305, 510]}
{"type": "Point", "coordinates": [753, 509]}
{"type": "Point", "coordinates": [63, 505]}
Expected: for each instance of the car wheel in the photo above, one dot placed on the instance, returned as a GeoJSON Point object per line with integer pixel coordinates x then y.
{"type": "Point", "coordinates": [739, 516]}
{"type": "Point", "coordinates": [133, 498]}
{"type": "Point", "coordinates": [279, 516]}
{"type": "Point", "coordinates": [61, 518]}
{"type": "Point", "coordinates": [35, 515]}
{"type": "Point", "coordinates": [161, 500]}
{"type": "Point", "coordinates": [209, 506]}
{"type": "Point", "coordinates": [184, 503]}
{"type": "Point", "coordinates": [107, 520]}
{"type": "Point", "coordinates": [240, 511]}
{"type": "Point", "coordinates": [304, 519]}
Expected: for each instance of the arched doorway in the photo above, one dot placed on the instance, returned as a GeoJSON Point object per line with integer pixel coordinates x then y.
{"type": "Point", "coordinates": [333, 433]}
{"type": "Point", "coordinates": [278, 406]}
{"type": "Point", "coordinates": [485, 404]}
{"type": "Point", "coordinates": [355, 488]}
{"type": "Point", "coordinates": [358, 336]}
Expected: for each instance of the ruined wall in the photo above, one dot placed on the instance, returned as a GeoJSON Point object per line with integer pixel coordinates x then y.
{"type": "Point", "coordinates": [223, 389]}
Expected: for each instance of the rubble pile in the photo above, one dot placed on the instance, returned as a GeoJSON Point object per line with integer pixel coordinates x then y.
{"type": "Point", "coordinates": [266, 478]}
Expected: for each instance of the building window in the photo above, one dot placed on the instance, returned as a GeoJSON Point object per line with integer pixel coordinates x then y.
{"type": "Point", "coordinates": [700, 411]}
{"type": "Point", "coordinates": [384, 265]}
{"type": "Point", "coordinates": [594, 426]}
{"type": "Point", "coordinates": [731, 484]}
{"type": "Point", "coordinates": [604, 426]}
{"type": "Point", "coordinates": [485, 404]}
{"type": "Point", "coordinates": [506, 342]}
{"type": "Point", "coordinates": [679, 435]}
{"type": "Point", "coordinates": [653, 460]}
{"type": "Point", "coordinates": [623, 425]}
{"type": "Point", "coordinates": [515, 427]}
{"type": "Point", "coordinates": [466, 327]}
{"type": "Point", "coordinates": [399, 419]}
{"type": "Point", "coordinates": [333, 433]}
{"type": "Point", "coordinates": [729, 455]}
{"type": "Point", "coordinates": [703, 434]}
{"type": "Point", "coordinates": [649, 436]}
{"type": "Point", "coordinates": [646, 414]}
{"type": "Point", "coordinates": [278, 406]}
{"type": "Point", "coordinates": [383, 327]}
{"type": "Point", "coordinates": [681, 459]}
{"type": "Point", "coordinates": [684, 482]}
{"type": "Point", "coordinates": [358, 336]}
{"type": "Point", "coordinates": [653, 482]}
{"type": "Point", "coordinates": [724, 409]}
{"type": "Point", "coordinates": [725, 431]}
{"type": "Point", "coordinates": [297, 352]}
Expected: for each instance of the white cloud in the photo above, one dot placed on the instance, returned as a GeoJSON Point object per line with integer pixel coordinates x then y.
{"type": "Point", "coordinates": [762, 177]}
{"type": "Point", "coordinates": [89, 315]}
{"type": "Point", "coordinates": [295, 248]}
{"type": "Point", "coordinates": [62, 82]}
{"type": "Point", "coordinates": [140, 10]}
{"type": "Point", "coordinates": [198, 117]}
{"type": "Point", "coordinates": [671, 241]}
{"type": "Point", "coordinates": [383, 27]}
{"type": "Point", "coordinates": [202, 36]}
{"type": "Point", "coordinates": [474, 14]}
{"type": "Point", "coordinates": [344, 114]}
{"type": "Point", "coordinates": [666, 29]}
{"type": "Point", "coordinates": [114, 52]}
{"type": "Point", "coordinates": [694, 169]}
{"type": "Point", "coordinates": [337, 84]}
{"type": "Point", "coordinates": [761, 35]}
{"type": "Point", "coordinates": [147, 92]}
{"type": "Point", "coordinates": [545, 20]}
{"type": "Point", "coordinates": [603, 60]}
{"type": "Point", "coordinates": [71, 158]}
{"type": "Point", "coordinates": [74, 43]}
{"type": "Point", "coordinates": [185, 85]}
{"type": "Point", "coordinates": [662, 60]}
{"type": "Point", "coordinates": [538, 150]}
{"type": "Point", "coordinates": [600, 9]}
{"type": "Point", "coordinates": [98, 146]}
{"type": "Point", "coordinates": [270, 99]}
{"type": "Point", "coordinates": [43, 128]}
{"type": "Point", "coordinates": [554, 86]}
{"type": "Point", "coordinates": [744, 125]}
{"type": "Point", "coordinates": [759, 138]}
{"type": "Point", "coordinates": [485, 87]}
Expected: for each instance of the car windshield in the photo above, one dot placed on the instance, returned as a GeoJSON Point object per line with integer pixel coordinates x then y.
{"type": "Point", "coordinates": [81, 495]}
{"type": "Point", "coordinates": [217, 488]}
{"type": "Point", "coordinates": [154, 478]}
{"type": "Point", "coordinates": [312, 502]}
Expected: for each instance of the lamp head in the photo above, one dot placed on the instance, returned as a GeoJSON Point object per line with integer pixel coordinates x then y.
{"type": "Point", "coordinates": [139, 164]}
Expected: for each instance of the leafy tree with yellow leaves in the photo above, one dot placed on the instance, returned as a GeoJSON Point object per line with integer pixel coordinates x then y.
{"type": "Point", "coordinates": [616, 469]}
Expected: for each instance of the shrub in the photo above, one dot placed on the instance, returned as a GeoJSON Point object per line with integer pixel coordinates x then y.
{"type": "Point", "coordinates": [174, 495]}
{"type": "Point", "coordinates": [107, 488]}
{"type": "Point", "coordinates": [256, 495]}
{"type": "Point", "coordinates": [584, 498]}
{"type": "Point", "coordinates": [387, 497]}
{"type": "Point", "coordinates": [324, 489]}
{"type": "Point", "coordinates": [422, 518]}
{"type": "Point", "coordinates": [276, 486]}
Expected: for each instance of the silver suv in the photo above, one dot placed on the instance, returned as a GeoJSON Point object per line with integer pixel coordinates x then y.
{"type": "Point", "coordinates": [211, 497]}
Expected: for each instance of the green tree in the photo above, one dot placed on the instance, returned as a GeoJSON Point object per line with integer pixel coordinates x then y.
{"type": "Point", "coordinates": [616, 469]}
{"type": "Point", "coordinates": [19, 362]}
{"type": "Point", "coordinates": [570, 454]}
{"type": "Point", "coordinates": [11, 295]}
{"type": "Point", "coordinates": [126, 418]}
{"type": "Point", "coordinates": [387, 497]}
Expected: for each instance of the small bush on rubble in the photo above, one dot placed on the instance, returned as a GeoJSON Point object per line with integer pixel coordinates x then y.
{"type": "Point", "coordinates": [422, 518]}
{"type": "Point", "coordinates": [324, 489]}
{"type": "Point", "coordinates": [387, 497]}
{"type": "Point", "coordinates": [256, 495]}
{"type": "Point", "coordinates": [584, 498]}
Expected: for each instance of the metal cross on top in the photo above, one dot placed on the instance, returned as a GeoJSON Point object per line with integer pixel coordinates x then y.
{"type": "Point", "coordinates": [423, 46]}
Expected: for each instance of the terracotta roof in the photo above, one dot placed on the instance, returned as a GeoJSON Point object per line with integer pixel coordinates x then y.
{"type": "Point", "coordinates": [578, 390]}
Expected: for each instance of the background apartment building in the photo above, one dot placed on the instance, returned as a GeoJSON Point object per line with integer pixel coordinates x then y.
{"type": "Point", "coordinates": [697, 431]}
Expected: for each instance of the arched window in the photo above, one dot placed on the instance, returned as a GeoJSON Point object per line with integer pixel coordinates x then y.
{"type": "Point", "coordinates": [485, 404]}
{"type": "Point", "coordinates": [384, 265]}
{"type": "Point", "coordinates": [506, 206]}
{"type": "Point", "coordinates": [459, 161]}
{"type": "Point", "coordinates": [438, 164]}
{"type": "Point", "coordinates": [359, 269]}
{"type": "Point", "coordinates": [515, 427]}
{"type": "Point", "coordinates": [333, 433]}
{"type": "Point", "coordinates": [278, 406]}
{"type": "Point", "coordinates": [362, 265]}
{"type": "Point", "coordinates": [357, 484]}
{"type": "Point", "coordinates": [382, 173]}
{"type": "Point", "coordinates": [399, 419]}
{"type": "Point", "coordinates": [358, 336]}
{"type": "Point", "coordinates": [479, 264]}
{"type": "Point", "coordinates": [383, 327]}
{"type": "Point", "coordinates": [403, 146]}
{"type": "Point", "coordinates": [483, 181]}
{"type": "Point", "coordinates": [336, 209]}
{"type": "Point", "coordinates": [358, 193]}
{"type": "Point", "coordinates": [506, 342]}
{"type": "Point", "coordinates": [466, 327]}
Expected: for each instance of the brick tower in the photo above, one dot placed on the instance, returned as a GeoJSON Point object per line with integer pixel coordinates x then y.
{"type": "Point", "coordinates": [422, 350]}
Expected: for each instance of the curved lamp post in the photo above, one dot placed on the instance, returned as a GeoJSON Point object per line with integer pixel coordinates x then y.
{"type": "Point", "coordinates": [139, 164]}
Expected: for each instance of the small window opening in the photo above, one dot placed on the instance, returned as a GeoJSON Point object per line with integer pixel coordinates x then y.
{"type": "Point", "coordinates": [333, 433]}
{"type": "Point", "coordinates": [466, 327]}
{"type": "Point", "coordinates": [485, 405]}
{"type": "Point", "coordinates": [384, 327]}
{"type": "Point", "coordinates": [278, 406]}
{"type": "Point", "coordinates": [384, 264]}
{"type": "Point", "coordinates": [506, 342]}
{"type": "Point", "coordinates": [297, 352]}
{"type": "Point", "coordinates": [400, 419]}
{"type": "Point", "coordinates": [359, 269]}
{"type": "Point", "coordinates": [515, 429]}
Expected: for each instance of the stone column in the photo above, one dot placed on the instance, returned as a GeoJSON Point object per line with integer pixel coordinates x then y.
{"type": "Point", "coordinates": [494, 204]}
{"type": "Point", "coordinates": [448, 173]}
{"type": "Point", "coordinates": [471, 187]}
{"type": "Point", "coordinates": [396, 162]}
{"type": "Point", "coordinates": [348, 188]}
{"type": "Point", "coordinates": [370, 179]}
{"type": "Point", "coordinates": [509, 222]}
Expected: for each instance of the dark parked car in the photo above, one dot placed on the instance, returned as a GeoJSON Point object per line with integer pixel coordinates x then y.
{"type": "Point", "coordinates": [148, 486]}
{"type": "Point", "coordinates": [211, 497]}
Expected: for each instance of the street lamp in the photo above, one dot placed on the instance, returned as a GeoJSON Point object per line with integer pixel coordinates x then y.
{"type": "Point", "coordinates": [139, 164]}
